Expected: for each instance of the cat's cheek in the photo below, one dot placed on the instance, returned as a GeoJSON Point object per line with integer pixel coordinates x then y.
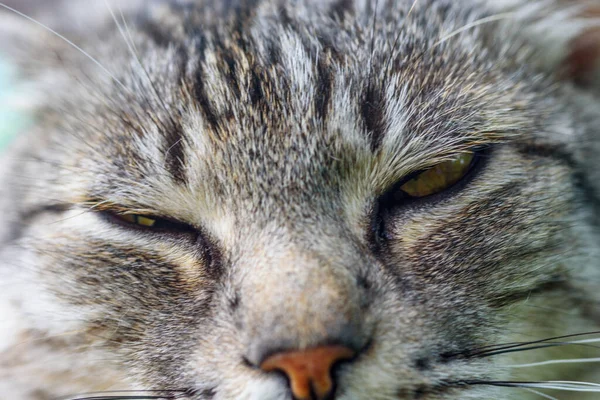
{"type": "Point", "coordinates": [10, 326]}
{"type": "Point", "coordinates": [39, 308]}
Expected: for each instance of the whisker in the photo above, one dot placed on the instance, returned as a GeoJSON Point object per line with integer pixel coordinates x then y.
{"type": "Point", "coordinates": [133, 51]}
{"type": "Point", "coordinates": [126, 26]}
{"type": "Point", "coordinates": [112, 14]}
{"type": "Point", "coordinates": [129, 395]}
{"type": "Point", "coordinates": [90, 209]}
{"type": "Point", "coordinates": [487, 351]}
{"type": "Point", "coordinates": [566, 386]}
{"type": "Point", "coordinates": [110, 74]}
{"type": "Point", "coordinates": [491, 18]}
{"type": "Point", "coordinates": [544, 395]}
{"type": "Point", "coordinates": [122, 397]}
{"type": "Point", "coordinates": [517, 349]}
{"type": "Point", "coordinates": [552, 362]}
{"type": "Point", "coordinates": [586, 341]}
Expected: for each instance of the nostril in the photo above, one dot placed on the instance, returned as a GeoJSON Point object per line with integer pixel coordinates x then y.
{"type": "Point", "coordinates": [309, 371]}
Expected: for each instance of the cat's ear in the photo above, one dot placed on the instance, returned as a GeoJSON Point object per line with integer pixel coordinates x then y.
{"type": "Point", "coordinates": [566, 34]}
{"type": "Point", "coordinates": [582, 62]}
{"type": "Point", "coordinates": [579, 60]}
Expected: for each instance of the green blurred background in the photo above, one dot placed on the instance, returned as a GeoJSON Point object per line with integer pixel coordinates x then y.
{"type": "Point", "coordinates": [11, 119]}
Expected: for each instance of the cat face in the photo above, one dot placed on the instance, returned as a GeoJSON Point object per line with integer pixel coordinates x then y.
{"type": "Point", "coordinates": [310, 200]}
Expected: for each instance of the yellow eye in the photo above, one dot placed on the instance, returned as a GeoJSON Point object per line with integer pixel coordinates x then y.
{"type": "Point", "coordinates": [439, 178]}
{"type": "Point", "coordinates": [137, 220]}
{"type": "Point", "coordinates": [150, 222]}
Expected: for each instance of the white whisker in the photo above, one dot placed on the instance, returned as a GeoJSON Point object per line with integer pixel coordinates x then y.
{"type": "Point", "coordinates": [127, 30]}
{"type": "Point", "coordinates": [567, 386]}
{"type": "Point", "coordinates": [128, 38]}
{"type": "Point", "coordinates": [544, 395]}
{"type": "Point", "coordinates": [583, 341]}
{"type": "Point", "coordinates": [110, 74]}
{"type": "Point", "coordinates": [552, 362]}
{"type": "Point", "coordinates": [492, 18]}
{"type": "Point", "coordinates": [127, 42]}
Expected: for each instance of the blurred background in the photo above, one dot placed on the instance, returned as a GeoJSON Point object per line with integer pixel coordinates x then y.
{"type": "Point", "coordinates": [12, 120]}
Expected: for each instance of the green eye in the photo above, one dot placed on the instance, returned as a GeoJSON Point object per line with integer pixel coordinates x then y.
{"type": "Point", "coordinates": [440, 177]}
{"type": "Point", "coordinates": [136, 219]}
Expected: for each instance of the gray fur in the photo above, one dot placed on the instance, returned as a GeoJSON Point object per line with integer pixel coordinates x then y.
{"type": "Point", "coordinates": [274, 128]}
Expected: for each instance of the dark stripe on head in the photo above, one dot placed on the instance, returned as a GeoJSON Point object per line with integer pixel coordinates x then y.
{"type": "Point", "coordinates": [556, 152]}
{"type": "Point", "coordinates": [244, 12]}
{"type": "Point", "coordinates": [372, 110]}
{"type": "Point", "coordinates": [174, 152]}
{"type": "Point", "coordinates": [286, 20]}
{"type": "Point", "coordinates": [232, 79]}
{"type": "Point", "coordinates": [255, 89]}
{"type": "Point", "coordinates": [274, 52]}
{"type": "Point", "coordinates": [156, 33]}
{"type": "Point", "coordinates": [199, 90]}
{"type": "Point", "coordinates": [342, 7]}
{"type": "Point", "coordinates": [324, 87]}
{"type": "Point", "coordinates": [291, 25]}
{"type": "Point", "coordinates": [203, 101]}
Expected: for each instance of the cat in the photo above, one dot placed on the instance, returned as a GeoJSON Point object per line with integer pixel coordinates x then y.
{"type": "Point", "coordinates": [309, 199]}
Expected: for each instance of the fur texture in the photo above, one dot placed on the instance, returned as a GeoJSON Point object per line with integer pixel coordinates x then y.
{"type": "Point", "coordinates": [275, 129]}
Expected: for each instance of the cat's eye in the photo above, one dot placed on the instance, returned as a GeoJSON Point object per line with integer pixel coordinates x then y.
{"type": "Point", "coordinates": [439, 177]}
{"type": "Point", "coordinates": [149, 222]}
{"type": "Point", "coordinates": [443, 177]}
{"type": "Point", "coordinates": [165, 227]}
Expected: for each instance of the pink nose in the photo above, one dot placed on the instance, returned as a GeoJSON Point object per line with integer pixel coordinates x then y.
{"type": "Point", "coordinates": [309, 371]}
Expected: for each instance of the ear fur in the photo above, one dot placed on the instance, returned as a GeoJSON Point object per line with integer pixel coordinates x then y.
{"type": "Point", "coordinates": [566, 33]}
{"type": "Point", "coordinates": [583, 59]}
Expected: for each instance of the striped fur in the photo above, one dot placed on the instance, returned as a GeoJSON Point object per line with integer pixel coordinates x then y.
{"type": "Point", "coordinates": [275, 128]}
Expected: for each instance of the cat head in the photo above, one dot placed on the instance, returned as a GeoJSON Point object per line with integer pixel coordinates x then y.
{"type": "Point", "coordinates": [250, 201]}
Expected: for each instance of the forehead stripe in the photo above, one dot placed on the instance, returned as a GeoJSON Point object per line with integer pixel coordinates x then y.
{"type": "Point", "coordinates": [174, 152]}
{"type": "Point", "coordinates": [199, 89]}
{"type": "Point", "coordinates": [373, 114]}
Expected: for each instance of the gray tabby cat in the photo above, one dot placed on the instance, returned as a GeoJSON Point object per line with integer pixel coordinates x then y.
{"type": "Point", "coordinates": [316, 200]}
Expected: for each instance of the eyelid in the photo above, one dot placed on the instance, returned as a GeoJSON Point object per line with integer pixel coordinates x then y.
{"type": "Point", "coordinates": [440, 177]}
{"type": "Point", "coordinates": [388, 200]}
{"type": "Point", "coordinates": [146, 222]}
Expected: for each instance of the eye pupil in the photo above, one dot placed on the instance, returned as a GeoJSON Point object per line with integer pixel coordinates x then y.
{"type": "Point", "coordinates": [131, 218]}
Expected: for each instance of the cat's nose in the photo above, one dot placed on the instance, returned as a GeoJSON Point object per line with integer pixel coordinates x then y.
{"type": "Point", "coordinates": [309, 371]}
